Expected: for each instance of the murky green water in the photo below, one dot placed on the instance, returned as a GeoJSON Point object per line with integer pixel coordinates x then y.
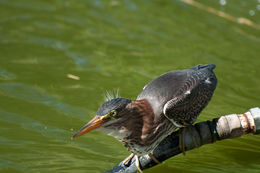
{"type": "Point", "coordinates": [114, 44]}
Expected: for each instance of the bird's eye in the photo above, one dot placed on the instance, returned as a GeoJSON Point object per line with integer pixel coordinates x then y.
{"type": "Point", "coordinates": [113, 113]}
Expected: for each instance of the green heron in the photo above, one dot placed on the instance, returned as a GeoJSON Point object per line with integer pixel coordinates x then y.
{"type": "Point", "coordinates": [172, 100]}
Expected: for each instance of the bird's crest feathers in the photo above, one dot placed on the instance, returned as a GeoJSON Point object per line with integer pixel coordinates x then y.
{"type": "Point", "coordinates": [109, 95]}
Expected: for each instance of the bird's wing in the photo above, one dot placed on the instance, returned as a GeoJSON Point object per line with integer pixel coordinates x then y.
{"type": "Point", "coordinates": [171, 104]}
{"type": "Point", "coordinates": [163, 89]}
{"type": "Point", "coordinates": [177, 107]}
{"type": "Point", "coordinates": [181, 95]}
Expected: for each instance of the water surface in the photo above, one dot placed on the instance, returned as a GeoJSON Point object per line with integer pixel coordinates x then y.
{"type": "Point", "coordinates": [118, 44]}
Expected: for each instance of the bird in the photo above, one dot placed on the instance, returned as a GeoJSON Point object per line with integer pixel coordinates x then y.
{"type": "Point", "coordinates": [171, 101]}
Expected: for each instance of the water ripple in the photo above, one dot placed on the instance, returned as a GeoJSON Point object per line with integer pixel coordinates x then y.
{"type": "Point", "coordinates": [79, 59]}
{"type": "Point", "coordinates": [11, 166]}
{"type": "Point", "coordinates": [29, 94]}
{"type": "Point", "coordinates": [30, 124]}
{"type": "Point", "coordinates": [42, 7]}
{"type": "Point", "coordinates": [4, 75]}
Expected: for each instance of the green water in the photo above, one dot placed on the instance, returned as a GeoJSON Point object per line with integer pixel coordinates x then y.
{"type": "Point", "coordinates": [113, 44]}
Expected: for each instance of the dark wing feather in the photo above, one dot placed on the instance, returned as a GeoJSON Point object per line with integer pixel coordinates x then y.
{"type": "Point", "coordinates": [164, 88]}
{"type": "Point", "coordinates": [180, 95]}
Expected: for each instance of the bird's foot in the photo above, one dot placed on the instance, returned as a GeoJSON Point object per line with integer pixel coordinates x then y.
{"type": "Point", "coordinates": [182, 140]}
{"type": "Point", "coordinates": [137, 164]}
{"type": "Point", "coordinates": [128, 159]}
{"type": "Point", "coordinates": [154, 158]}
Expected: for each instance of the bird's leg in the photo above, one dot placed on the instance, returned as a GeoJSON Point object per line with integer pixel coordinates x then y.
{"type": "Point", "coordinates": [128, 158]}
{"type": "Point", "coordinates": [182, 140]}
{"type": "Point", "coordinates": [154, 158]}
{"type": "Point", "coordinates": [137, 163]}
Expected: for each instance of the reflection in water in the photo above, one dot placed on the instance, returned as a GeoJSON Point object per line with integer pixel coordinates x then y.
{"type": "Point", "coordinates": [223, 2]}
{"type": "Point", "coordinates": [79, 60]}
{"type": "Point", "coordinates": [240, 20]}
{"type": "Point", "coordinates": [26, 93]}
{"type": "Point", "coordinates": [29, 5]}
{"type": "Point", "coordinates": [15, 18]}
{"type": "Point", "coordinates": [55, 44]}
{"type": "Point", "coordinates": [32, 125]}
{"type": "Point", "coordinates": [4, 75]}
{"type": "Point", "coordinates": [10, 166]}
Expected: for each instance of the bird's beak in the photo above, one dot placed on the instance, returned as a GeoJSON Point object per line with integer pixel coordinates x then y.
{"type": "Point", "coordinates": [93, 124]}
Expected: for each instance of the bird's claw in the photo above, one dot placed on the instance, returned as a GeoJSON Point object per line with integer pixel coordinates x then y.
{"type": "Point", "coordinates": [125, 162]}
{"type": "Point", "coordinates": [137, 164]}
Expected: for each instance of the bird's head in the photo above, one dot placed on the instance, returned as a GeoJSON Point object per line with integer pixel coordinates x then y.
{"type": "Point", "coordinates": [108, 116]}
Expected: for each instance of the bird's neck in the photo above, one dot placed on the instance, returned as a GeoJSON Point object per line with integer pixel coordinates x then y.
{"type": "Point", "coordinates": [144, 111]}
{"type": "Point", "coordinates": [147, 125]}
